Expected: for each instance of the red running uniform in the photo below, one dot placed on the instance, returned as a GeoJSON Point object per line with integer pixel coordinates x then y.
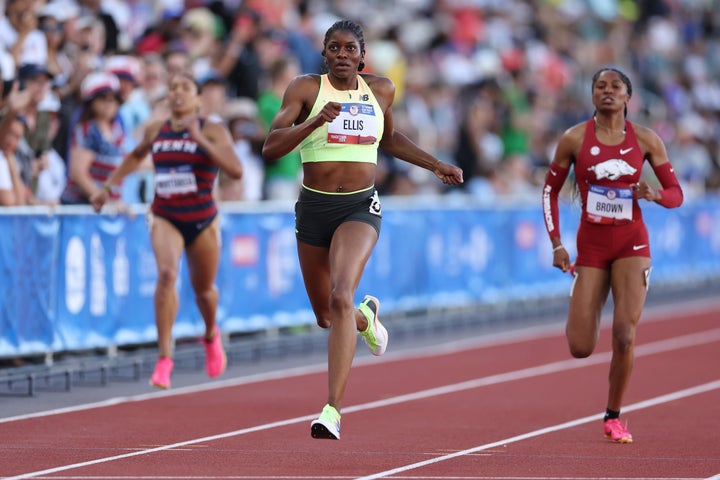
{"type": "Point", "coordinates": [611, 225]}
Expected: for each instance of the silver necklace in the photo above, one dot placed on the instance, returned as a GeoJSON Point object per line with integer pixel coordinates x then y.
{"type": "Point", "coordinates": [609, 130]}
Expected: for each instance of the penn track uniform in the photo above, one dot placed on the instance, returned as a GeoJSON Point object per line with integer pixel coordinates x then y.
{"type": "Point", "coordinates": [353, 136]}
{"type": "Point", "coordinates": [184, 180]}
{"type": "Point", "coordinates": [611, 225]}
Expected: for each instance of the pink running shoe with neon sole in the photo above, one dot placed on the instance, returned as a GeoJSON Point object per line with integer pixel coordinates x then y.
{"type": "Point", "coordinates": [161, 374]}
{"type": "Point", "coordinates": [616, 431]}
{"type": "Point", "coordinates": [215, 358]}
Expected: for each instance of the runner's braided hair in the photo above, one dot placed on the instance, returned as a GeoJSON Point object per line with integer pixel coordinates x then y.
{"type": "Point", "coordinates": [347, 26]}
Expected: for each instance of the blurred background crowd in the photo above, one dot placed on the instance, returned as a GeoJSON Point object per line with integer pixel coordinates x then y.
{"type": "Point", "coordinates": [488, 85]}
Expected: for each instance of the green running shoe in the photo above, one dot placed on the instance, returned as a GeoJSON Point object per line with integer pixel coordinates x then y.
{"type": "Point", "coordinates": [375, 335]}
{"type": "Point", "coordinates": [327, 425]}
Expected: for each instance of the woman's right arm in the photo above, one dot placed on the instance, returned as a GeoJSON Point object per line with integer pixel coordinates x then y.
{"type": "Point", "coordinates": [284, 135]}
{"type": "Point", "coordinates": [132, 160]}
{"type": "Point", "coordinates": [554, 180]}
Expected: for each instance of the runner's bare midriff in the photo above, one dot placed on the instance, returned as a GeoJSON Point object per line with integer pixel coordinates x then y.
{"type": "Point", "coordinates": [338, 176]}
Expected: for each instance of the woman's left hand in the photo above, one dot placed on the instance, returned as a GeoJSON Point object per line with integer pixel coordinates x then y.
{"type": "Point", "coordinates": [191, 124]}
{"type": "Point", "coordinates": [644, 190]}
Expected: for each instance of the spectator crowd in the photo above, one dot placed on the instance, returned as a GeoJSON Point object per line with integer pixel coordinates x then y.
{"type": "Point", "coordinates": [488, 85]}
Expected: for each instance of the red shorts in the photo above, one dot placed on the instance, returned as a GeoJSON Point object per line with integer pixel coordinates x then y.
{"type": "Point", "coordinates": [599, 245]}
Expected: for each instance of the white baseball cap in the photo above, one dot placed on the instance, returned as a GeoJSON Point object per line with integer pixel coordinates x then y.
{"type": "Point", "coordinates": [97, 83]}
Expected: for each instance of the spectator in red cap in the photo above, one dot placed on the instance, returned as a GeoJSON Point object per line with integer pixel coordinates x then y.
{"type": "Point", "coordinates": [96, 144]}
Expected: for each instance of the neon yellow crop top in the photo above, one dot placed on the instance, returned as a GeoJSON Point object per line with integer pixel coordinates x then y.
{"type": "Point", "coordinates": [354, 135]}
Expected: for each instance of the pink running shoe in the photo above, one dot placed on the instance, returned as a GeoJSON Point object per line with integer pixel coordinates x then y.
{"type": "Point", "coordinates": [617, 432]}
{"type": "Point", "coordinates": [161, 375]}
{"type": "Point", "coordinates": [215, 359]}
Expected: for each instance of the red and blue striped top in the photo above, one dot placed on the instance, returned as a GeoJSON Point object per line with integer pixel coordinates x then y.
{"type": "Point", "coordinates": [184, 177]}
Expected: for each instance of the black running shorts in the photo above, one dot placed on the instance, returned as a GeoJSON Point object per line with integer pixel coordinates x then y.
{"type": "Point", "coordinates": [318, 215]}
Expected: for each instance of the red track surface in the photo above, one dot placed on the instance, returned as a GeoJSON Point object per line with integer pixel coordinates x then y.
{"type": "Point", "coordinates": [515, 406]}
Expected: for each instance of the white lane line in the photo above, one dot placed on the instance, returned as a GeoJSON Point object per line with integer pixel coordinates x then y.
{"type": "Point", "coordinates": [685, 341]}
{"type": "Point", "coordinates": [345, 477]}
{"type": "Point", "coordinates": [655, 314]}
{"type": "Point", "coordinates": [680, 394]}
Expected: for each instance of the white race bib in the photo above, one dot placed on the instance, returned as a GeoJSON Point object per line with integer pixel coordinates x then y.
{"type": "Point", "coordinates": [606, 205]}
{"type": "Point", "coordinates": [175, 181]}
{"type": "Point", "coordinates": [356, 124]}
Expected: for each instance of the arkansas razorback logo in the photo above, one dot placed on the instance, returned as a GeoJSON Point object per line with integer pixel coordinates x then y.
{"type": "Point", "coordinates": [612, 169]}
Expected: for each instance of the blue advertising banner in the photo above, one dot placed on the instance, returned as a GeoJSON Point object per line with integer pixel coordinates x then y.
{"type": "Point", "coordinates": [105, 281]}
{"type": "Point", "coordinates": [71, 281]}
{"type": "Point", "coordinates": [28, 251]}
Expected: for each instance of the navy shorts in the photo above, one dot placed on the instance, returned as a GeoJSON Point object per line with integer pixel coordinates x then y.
{"type": "Point", "coordinates": [189, 231]}
{"type": "Point", "coordinates": [318, 215]}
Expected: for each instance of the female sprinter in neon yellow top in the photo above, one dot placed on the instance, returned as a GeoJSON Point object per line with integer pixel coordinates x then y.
{"type": "Point", "coordinates": [339, 120]}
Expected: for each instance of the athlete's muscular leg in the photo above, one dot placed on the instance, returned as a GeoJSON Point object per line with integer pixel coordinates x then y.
{"type": "Point", "coordinates": [629, 293]}
{"type": "Point", "coordinates": [315, 268]}
{"type": "Point", "coordinates": [203, 257]}
{"type": "Point", "coordinates": [331, 278]}
{"type": "Point", "coordinates": [351, 247]}
{"type": "Point", "coordinates": [168, 245]}
{"type": "Point", "coordinates": [589, 294]}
